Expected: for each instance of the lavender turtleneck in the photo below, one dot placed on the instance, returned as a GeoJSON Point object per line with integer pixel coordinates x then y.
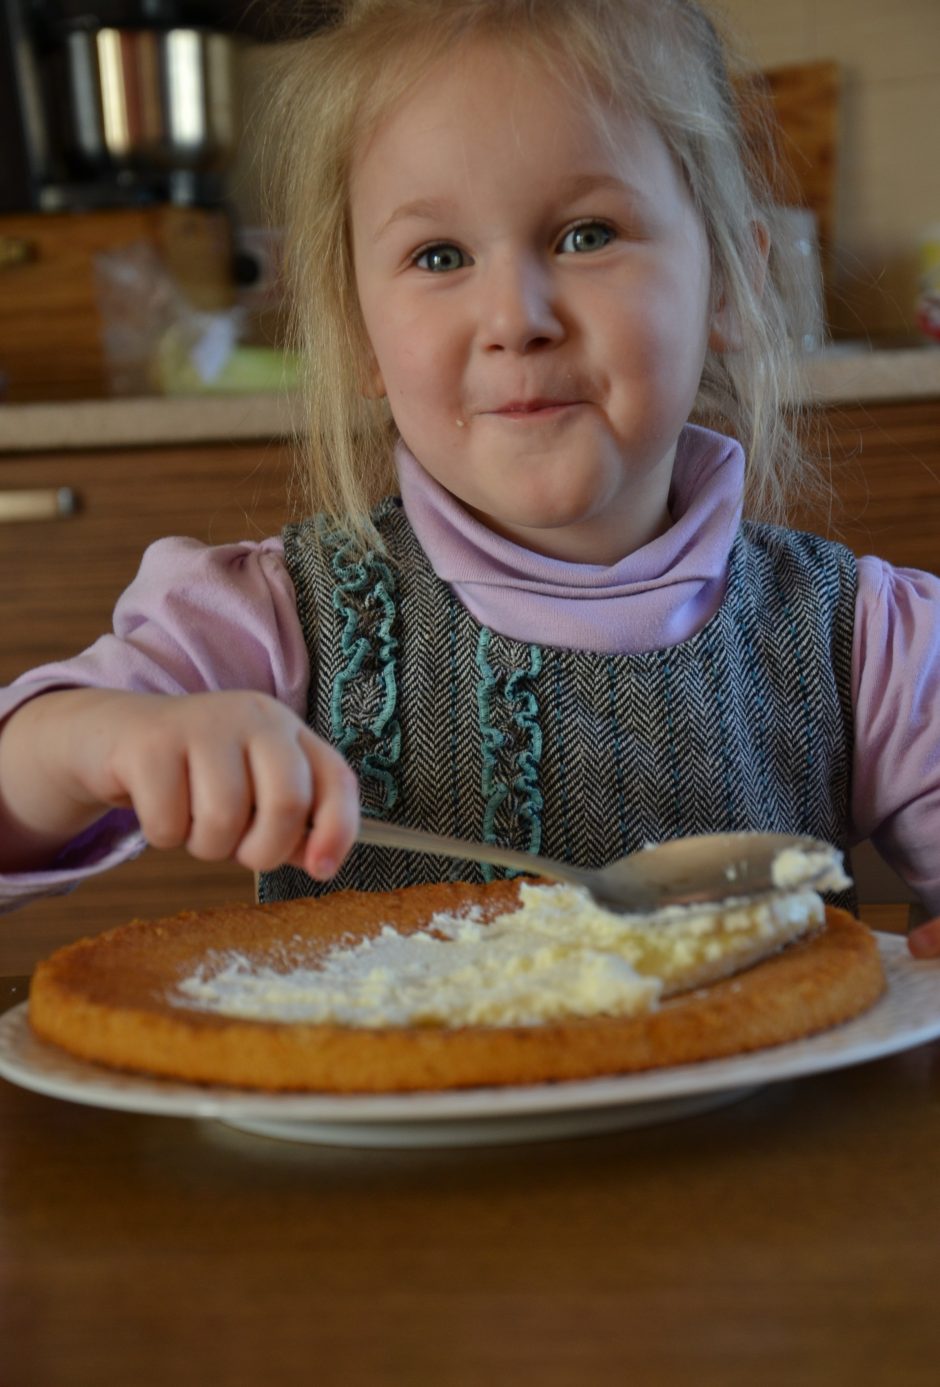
{"type": "Point", "coordinates": [658, 596]}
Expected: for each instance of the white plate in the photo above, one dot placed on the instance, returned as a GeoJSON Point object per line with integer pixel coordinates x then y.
{"type": "Point", "coordinates": [907, 1015]}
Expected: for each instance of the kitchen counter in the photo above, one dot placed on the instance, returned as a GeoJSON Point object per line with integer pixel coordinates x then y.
{"type": "Point", "coordinates": [147, 422]}
{"type": "Point", "coordinates": [840, 374]}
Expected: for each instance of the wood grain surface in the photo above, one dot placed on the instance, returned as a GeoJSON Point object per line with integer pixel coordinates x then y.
{"type": "Point", "coordinates": [51, 345]}
{"type": "Point", "coordinates": [59, 579]}
{"type": "Point", "coordinates": [789, 1238]}
{"type": "Point", "coordinates": [882, 463]}
{"type": "Point", "coordinates": [805, 102]}
{"type": "Point", "coordinates": [791, 117]}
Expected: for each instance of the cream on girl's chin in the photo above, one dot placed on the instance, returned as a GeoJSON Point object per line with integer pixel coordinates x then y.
{"type": "Point", "coordinates": [459, 423]}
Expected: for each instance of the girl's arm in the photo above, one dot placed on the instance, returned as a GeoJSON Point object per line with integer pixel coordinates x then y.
{"type": "Point", "coordinates": [196, 619]}
{"type": "Point", "coordinates": [896, 771]}
{"type": "Point", "coordinates": [227, 775]}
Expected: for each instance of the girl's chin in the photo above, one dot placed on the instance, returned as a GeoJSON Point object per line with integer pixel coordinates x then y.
{"type": "Point", "coordinates": [567, 541]}
{"type": "Point", "coordinates": [599, 536]}
{"type": "Point", "coordinates": [537, 505]}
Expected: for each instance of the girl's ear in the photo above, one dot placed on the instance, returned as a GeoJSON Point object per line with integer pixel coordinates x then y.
{"type": "Point", "coordinates": [373, 386]}
{"type": "Point", "coordinates": [725, 334]}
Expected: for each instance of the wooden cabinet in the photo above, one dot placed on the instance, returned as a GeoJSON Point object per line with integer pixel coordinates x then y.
{"type": "Point", "coordinates": [51, 345]}
{"type": "Point", "coordinates": [59, 580]}
{"type": "Point", "coordinates": [884, 463]}
{"type": "Point", "coordinates": [58, 583]}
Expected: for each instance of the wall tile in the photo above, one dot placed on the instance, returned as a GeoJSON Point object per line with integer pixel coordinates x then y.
{"type": "Point", "coordinates": [892, 44]}
{"type": "Point", "coordinates": [857, 14]}
{"type": "Point", "coordinates": [768, 34]}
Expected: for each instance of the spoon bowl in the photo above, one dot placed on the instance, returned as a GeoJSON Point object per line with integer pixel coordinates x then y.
{"type": "Point", "coordinates": [683, 871]}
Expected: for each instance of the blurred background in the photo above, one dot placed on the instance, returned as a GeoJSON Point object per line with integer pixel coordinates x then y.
{"type": "Point", "coordinates": [885, 174]}
{"type": "Point", "coordinates": [132, 213]}
{"type": "Point", "coordinates": [129, 202]}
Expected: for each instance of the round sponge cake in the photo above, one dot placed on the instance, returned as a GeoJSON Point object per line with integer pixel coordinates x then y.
{"type": "Point", "coordinates": [109, 999]}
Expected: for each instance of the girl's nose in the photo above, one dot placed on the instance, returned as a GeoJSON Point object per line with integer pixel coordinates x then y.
{"type": "Point", "coordinates": [517, 308]}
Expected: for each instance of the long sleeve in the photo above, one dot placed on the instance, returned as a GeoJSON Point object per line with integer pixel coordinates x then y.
{"type": "Point", "coordinates": [896, 693]}
{"type": "Point", "coordinates": [195, 619]}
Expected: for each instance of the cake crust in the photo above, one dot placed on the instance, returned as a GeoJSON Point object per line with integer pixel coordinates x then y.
{"type": "Point", "coordinates": [107, 1000]}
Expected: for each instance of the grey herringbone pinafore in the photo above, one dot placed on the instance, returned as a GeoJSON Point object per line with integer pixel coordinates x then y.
{"type": "Point", "coordinates": [581, 756]}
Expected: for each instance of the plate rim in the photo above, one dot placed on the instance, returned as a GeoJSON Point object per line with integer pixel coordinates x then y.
{"type": "Point", "coordinates": [97, 1086]}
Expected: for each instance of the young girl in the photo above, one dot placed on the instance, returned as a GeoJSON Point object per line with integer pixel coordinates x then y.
{"type": "Point", "coordinates": [524, 252]}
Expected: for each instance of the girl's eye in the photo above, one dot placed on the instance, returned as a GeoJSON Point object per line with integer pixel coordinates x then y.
{"type": "Point", "coordinates": [587, 236]}
{"type": "Point", "coordinates": [441, 258]}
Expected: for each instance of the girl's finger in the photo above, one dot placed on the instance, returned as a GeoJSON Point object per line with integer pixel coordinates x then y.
{"type": "Point", "coordinates": [924, 941]}
{"type": "Point", "coordinates": [282, 780]}
{"type": "Point", "coordinates": [335, 808]}
{"type": "Point", "coordinates": [158, 792]}
{"type": "Point", "coordinates": [220, 798]}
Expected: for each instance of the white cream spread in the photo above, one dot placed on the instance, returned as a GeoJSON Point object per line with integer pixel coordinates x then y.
{"type": "Point", "coordinates": [821, 866]}
{"type": "Point", "coordinates": [558, 956]}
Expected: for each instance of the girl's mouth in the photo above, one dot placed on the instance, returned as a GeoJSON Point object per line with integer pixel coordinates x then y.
{"type": "Point", "coordinates": [535, 409]}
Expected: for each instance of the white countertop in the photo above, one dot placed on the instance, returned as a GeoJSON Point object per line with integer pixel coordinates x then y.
{"type": "Point", "coordinates": [150, 422]}
{"type": "Point", "coordinates": [842, 374]}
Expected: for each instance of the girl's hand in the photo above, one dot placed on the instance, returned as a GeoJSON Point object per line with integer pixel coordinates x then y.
{"type": "Point", "coordinates": [924, 941]}
{"type": "Point", "coordinates": [226, 775]}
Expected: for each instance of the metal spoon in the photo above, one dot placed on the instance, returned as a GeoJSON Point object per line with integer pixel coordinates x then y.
{"type": "Point", "coordinates": [683, 871]}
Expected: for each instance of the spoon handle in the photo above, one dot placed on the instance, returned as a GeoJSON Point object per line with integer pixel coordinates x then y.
{"type": "Point", "coordinates": [386, 835]}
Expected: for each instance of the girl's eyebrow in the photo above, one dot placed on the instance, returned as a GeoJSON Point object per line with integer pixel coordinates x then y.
{"type": "Point", "coordinates": [583, 184]}
{"type": "Point", "coordinates": [420, 209]}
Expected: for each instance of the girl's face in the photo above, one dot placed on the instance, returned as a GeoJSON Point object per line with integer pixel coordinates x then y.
{"type": "Point", "coordinates": [537, 299]}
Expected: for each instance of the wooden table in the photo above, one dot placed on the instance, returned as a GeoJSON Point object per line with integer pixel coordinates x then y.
{"type": "Point", "coordinates": [792, 1238]}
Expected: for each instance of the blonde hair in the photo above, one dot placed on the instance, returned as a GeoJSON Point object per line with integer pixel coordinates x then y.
{"type": "Point", "coordinates": [663, 59]}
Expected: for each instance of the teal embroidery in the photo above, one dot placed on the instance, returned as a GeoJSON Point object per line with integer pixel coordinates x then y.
{"type": "Point", "coordinates": [363, 597]}
{"type": "Point", "coordinates": [494, 792]}
{"type": "Point", "coordinates": [515, 786]}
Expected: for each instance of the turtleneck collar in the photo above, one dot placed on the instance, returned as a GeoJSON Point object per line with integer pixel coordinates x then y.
{"type": "Point", "coordinates": [657, 596]}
